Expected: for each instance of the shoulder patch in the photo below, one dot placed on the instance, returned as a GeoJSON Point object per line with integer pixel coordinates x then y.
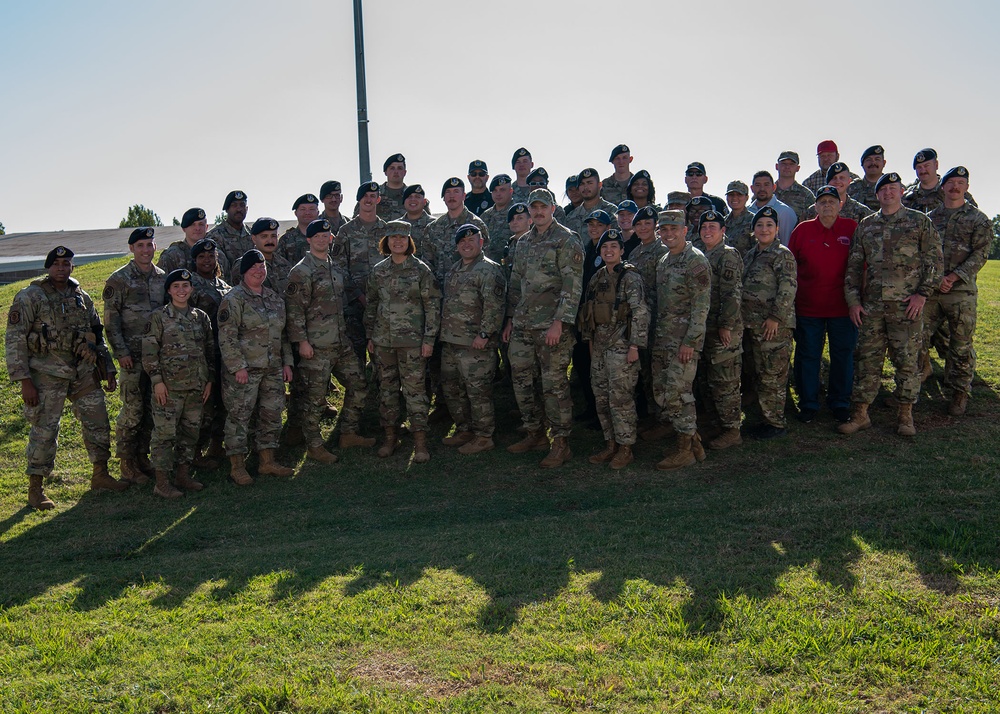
{"type": "Point", "coordinates": [149, 327]}
{"type": "Point", "coordinates": [14, 317]}
{"type": "Point", "coordinates": [728, 274]}
{"type": "Point", "coordinates": [109, 292]}
{"type": "Point", "coordinates": [292, 288]}
{"type": "Point", "coordinates": [698, 268]}
{"type": "Point", "coordinates": [498, 286]}
{"type": "Point", "coordinates": [577, 256]}
{"type": "Point", "coordinates": [702, 279]}
{"type": "Point", "coordinates": [224, 314]}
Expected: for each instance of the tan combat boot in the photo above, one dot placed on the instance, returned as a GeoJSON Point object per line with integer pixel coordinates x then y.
{"type": "Point", "coordinates": [623, 457]}
{"type": "Point", "coordinates": [100, 478]}
{"type": "Point", "coordinates": [477, 445]}
{"type": "Point", "coordinates": [183, 480]}
{"type": "Point", "coordinates": [859, 420]}
{"type": "Point", "coordinates": [269, 466]}
{"type": "Point", "coordinates": [905, 421]}
{"type": "Point", "coordinates": [730, 437]}
{"type": "Point", "coordinates": [349, 439]}
{"type": "Point", "coordinates": [238, 470]}
{"type": "Point", "coordinates": [459, 438]}
{"type": "Point", "coordinates": [680, 458]}
{"type": "Point", "coordinates": [389, 444]}
{"type": "Point", "coordinates": [696, 448]}
{"type": "Point", "coordinates": [130, 471]}
{"type": "Point", "coordinates": [658, 432]}
{"type": "Point", "coordinates": [164, 487]}
{"type": "Point", "coordinates": [420, 453]}
{"type": "Point", "coordinates": [558, 455]}
{"type": "Point", "coordinates": [316, 453]}
{"type": "Point", "coordinates": [532, 441]}
{"type": "Point", "coordinates": [603, 457]}
{"type": "Point", "coordinates": [959, 403]}
{"type": "Point", "coordinates": [36, 496]}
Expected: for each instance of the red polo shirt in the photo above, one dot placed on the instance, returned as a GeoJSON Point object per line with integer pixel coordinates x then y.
{"type": "Point", "coordinates": [821, 255]}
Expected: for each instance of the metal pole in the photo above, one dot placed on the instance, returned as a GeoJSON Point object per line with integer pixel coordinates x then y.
{"type": "Point", "coordinates": [364, 162]}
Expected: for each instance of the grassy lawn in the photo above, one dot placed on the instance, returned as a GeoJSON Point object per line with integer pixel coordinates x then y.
{"type": "Point", "coordinates": [816, 574]}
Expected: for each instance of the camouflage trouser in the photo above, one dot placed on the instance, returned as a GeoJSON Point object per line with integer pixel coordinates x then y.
{"type": "Point", "coordinates": [646, 381]}
{"type": "Point", "coordinates": [135, 420]}
{"type": "Point", "coordinates": [673, 385]}
{"type": "Point", "coordinates": [719, 380]}
{"type": "Point", "coordinates": [356, 336]}
{"type": "Point", "coordinates": [882, 330]}
{"type": "Point", "coordinates": [313, 376]}
{"type": "Point", "coordinates": [467, 380]}
{"type": "Point", "coordinates": [263, 397]}
{"type": "Point", "coordinates": [402, 369]}
{"type": "Point", "coordinates": [530, 356]}
{"type": "Point", "coordinates": [614, 379]}
{"type": "Point", "coordinates": [88, 408]}
{"type": "Point", "coordinates": [770, 363]}
{"type": "Point", "coordinates": [958, 311]}
{"type": "Point", "coordinates": [175, 429]}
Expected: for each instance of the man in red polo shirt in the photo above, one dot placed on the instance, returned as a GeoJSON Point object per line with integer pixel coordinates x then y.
{"type": "Point", "coordinates": [821, 246]}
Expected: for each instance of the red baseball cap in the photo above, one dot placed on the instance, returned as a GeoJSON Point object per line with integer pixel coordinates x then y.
{"type": "Point", "coordinates": [827, 145]}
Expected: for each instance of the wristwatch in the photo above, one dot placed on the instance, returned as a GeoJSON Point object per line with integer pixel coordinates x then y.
{"type": "Point", "coordinates": [485, 335]}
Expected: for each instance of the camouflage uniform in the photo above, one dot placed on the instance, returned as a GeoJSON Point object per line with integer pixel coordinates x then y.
{"type": "Point", "coordinates": [252, 337]}
{"type": "Point", "coordinates": [177, 350]}
{"type": "Point", "coordinates": [44, 328]}
{"type": "Point", "coordinates": [613, 318]}
{"type": "Point", "coordinates": [336, 222]}
{"type": "Point", "coordinates": [391, 204]}
{"type": "Point", "coordinates": [418, 232]}
{"type": "Point", "coordinates": [891, 258]}
{"type": "Point", "coordinates": [277, 273]}
{"type": "Point", "coordinates": [231, 242]}
{"type": "Point", "coordinates": [314, 300]}
{"type": "Point", "coordinates": [966, 234]}
{"type": "Point", "coordinates": [864, 193]}
{"type": "Point", "coordinates": [851, 209]}
{"type": "Point", "coordinates": [207, 296]}
{"type": "Point", "coordinates": [402, 315]}
{"type": "Point", "coordinates": [354, 252]}
{"type": "Point", "coordinates": [292, 246]}
{"type": "Point", "coordinates": [926, 200]}
{"type": "Point", "coordinates": [178, 255]}
{"type": "Point", "coordinates": [797, 197]}
{"type": "Point", "coordinates": [474, 303]}
{"type": "Point", "coordinates": [817, 180]}
{"type": "Point", "coordinates": [498, 228]}
{"type": "Point", "coordinates": [684, 294]}
{"type": "Point", "coordinates": [130, 296]}
{"type": "Point", "coordinates": [520, 193]}
{"type": "Point", "coordinates": [439, 241]}
{"type": "Point", "coordinates": [738, 230]}
{"type": "Point", "coordinates": [644, 259]}
{"type": "Point", "coordinates": [578, 221]}
{"type": "Point", "coordinates": [545, 286]}
{"type": "Point", "coordinates": [769, 285]}
{"type": "Point", "coordinates": [720, 367]}
{"type": "Point", "coordinates": [613, 190]}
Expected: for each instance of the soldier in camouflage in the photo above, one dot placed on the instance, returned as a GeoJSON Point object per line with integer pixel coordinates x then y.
{"type": "Point", "coordinates": [293, 244]}
{"type": "Point", "coordinates": [695, 178]}
{"type": "Point", "coordinates": [522, 165]}
{"type": "Point", "coordinates": [495, 217]}
{"type": "Point", "coordinates": [692, 216]}
{"type": "Point", "coordinates": [927, 192]}
{"type": "Point", "coordinates": [787, 189]}
{"type": "Point", "coordinates": [839, 176]}
{"type": "Point", "coordinates": [415, 203]}
{"type": "Point", "coordinates": [613, 187]}
{"type": "Point", "coordinates": [264, 234]}
{"type": "Point", "coordinates": [892, 269]}
{"type": "Point", "coordinates": [573, 194]}
{"type": "Point", "coordinates": [641, 191]}
{"type": "Point", "coordinates": [232, 236]}
{"type": "Point", "coordinates": [332, 196]}
{"type": "Point", "coordinates": [55, 350]}
{"type": "Point", "coordinates": [439, 251]}
{"type": "Point", "coordinates": [827, 154]}
{"type": "Point", "coordinates": [178, 254]}
{"type": "Point", "coordinates": [590, 190]}
{"type": "Point", "coordinates": [862, 190]}
{"type": "Point", "coordinates": [390, 193]}
{"type": "Point", "coordinates": [738, 231]}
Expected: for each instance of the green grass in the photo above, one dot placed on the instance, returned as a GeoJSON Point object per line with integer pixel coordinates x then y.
{"type": "Point", "coordinates": [817, 574]}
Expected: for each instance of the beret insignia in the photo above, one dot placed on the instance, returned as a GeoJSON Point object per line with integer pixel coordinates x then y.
{"type": "Point", "coordinates": [185, 275]}
{"type": "Point", "coordinates": [310, 198]}
{"type": "Point", "coordinates": [60, 251]}
{"type": "Point", "coordinates": [14, 317]}
{"type": "Point", "coordinates": [453, 182]}
{"type": "Point", "coordinates": [109, 292]}
{"type": "Point", "coordinates": [224, 314]}
{"type": "Point", "coordinates": [522, 152]}
{"type": "Point", "coordinates": [201, 214]}
{"type": "Point", "coordinates": [961, 171]}
{"type": "Point", "coordinates": [239, 195]}
{"type": "Point", "coordinates": [920, 158]}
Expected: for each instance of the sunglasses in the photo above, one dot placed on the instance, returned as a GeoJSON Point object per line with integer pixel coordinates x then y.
{"type": "Point", "coordinates": [478, 174]}
{"type": "Point", "coordinates": [693, 173]}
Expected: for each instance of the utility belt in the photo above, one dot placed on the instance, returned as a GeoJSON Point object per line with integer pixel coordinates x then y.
{"type": "Point", "coordinates": [73, 346]}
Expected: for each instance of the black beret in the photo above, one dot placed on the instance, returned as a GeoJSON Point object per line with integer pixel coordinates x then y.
{"type": "Point", "coordinates": [174, 275]}
{"type": "Point", "coordinates": [695, 166]}
{"type": "Point", "coordinates": [589, 173]}
{"type": "Point", "coordinates": [464, 230]}
{"type": "Point", "coordinates": [60, 251]}
{"type": "Point", "coordinates": [320, 225]}
{"type": "Point", "coordinates": [250, 259]}
{"type": "Point", "coordinates": [611, 235]}
{"type": "Point", "coordinates": [516, 209]}
{"type": "Point", "coordinates": [620, 149]}
{"type": "Point", "coordinates": [837, 168]}
{"type": "Point", "coordinates": [886, 179]}
{"type": "Point", "coordinates": [263, 224]}
{"type": "Point", "coordinates": [698, 201]}
{"type": "Point", "coordinates": [573, 181]}
{"type": "Point", "coordinates": [640, 174]}
{"type": "Point", "coordinates": [827, 191]}
{"type": "Point", "coordinates": [203, 246]}
{"type": "Point", "coordinates": [453, 182]}
{"type": "Point", "coordinates": [478, 165]}
{"type": "Point", "coordinates": [538, 177]}
{"type": "Point", "coordinates": [876, 150]}
{"type": "Point", "coordinates": [518, 154]}
{"type": "Point", "coordinates": [327, 188]}
{"type": "Point", "coordinates": [644, 213]}
{"type": "Point", "coordinates": [498, 180]}
{"type": "Point", "coordinates": [395, 158]}
{"type": "Point", "coordinates": [370, 187]}
{"type": "Point", "coordinates": [233, 196]}
{"type": "Point", "coordinates": [140, 234]}
{"type": "Point", "coordinates": [957, 172]}
{"type": "Point", "coordinates": [599, 215]}
{"type": "Point", "coordinates": [924, 155]}
{"type": "Point", "coordinates": [410, 190]}
{"type": "Point", "coordinates": [191, 215]}
{"type": "Point", "coordinates": [304, 198]}
{"type": "Point", "coordinates": [765, 212]}
{"type": "Point", "coordinates": [711, 217]}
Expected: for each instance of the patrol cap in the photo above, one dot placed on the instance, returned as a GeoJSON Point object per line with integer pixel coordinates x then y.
{"type": "Point", "coordinates": [304, 198]}
{"type": "Point", "coordinates": [478, 165]}
{"type": "Point", "coordinates": [519, 154]}
{"type": "Point", "coordinates": [826, 145]}
{"type": "Point", "coordinates": [875, 150]}
{"type": "Point", "coordinates": [573, 181]}
{"type": "Point", "coordinates": [924, 155]}
{"type": "Point", "coordinates": [205, 245]}
{"type": "Point", "coordinates": [646, 213]}
{"type": "Point", "coordinates": [670, 218]}
{"type": "Point", "coordinates": [516, 209]}
{"type": "Point", "coordinates": [60, 251]}
{"type": "Point", "coordinates": [695, 166]}
{"type": "Point", "coordinates": [140, 234]}
{"type": "Point", "coordinates": [250, 259]}
{"type": "Point", "coordinates": [627, 206]}
{"type": "Point", "coordinates": [827, 191]}
{"type": "Point", "coordinates": [263, 224]}
{"type": "Point", "coordinates": [453, 182]}
{"type": "Point", "coordinates": [711, 217]}
{"type": "Point", "coordinates": [397, 228]}
{"type": "Point", "coordinates": [327, 188]}
{"type": "Point", "coordinates": [410, 190]}
{"type": "Point", "coordinates": [599, 215]}
{"type": "Point", "coordinates": [699, 201]}
{"type": "Point", "coordinates": [370, 187]}
{"type": "Point", "coordinates": [837, 168]}
{"type": "Point", "coordinates": [174, 275]}
{"type": "Point", "coordinates": [541, 195]}
{"type": "Point", "coordinates": [589, 173]}
{"type": "Point", "coordinates": [611, 235]}
{"type": "Point", "coordinates": [618, 150]}
{"type": "Point", "coordinates": [765, 212]}
{"type": "Point", "coordinates": [886, 179]}
{"type": "Point", "coordinates": [233, 196]}
{"type": "Point", "coordinates": [957, 172]}
{"type": "Point", "coordinates": [678, 197]}
{"type": "Point", "coordinates": [191, 215]}
{"type": "Point", "coordinates": [466, 229]}
{"type": "Point", "coordinates": [499, 180]}
{"type": "Point", "coordinates": [788, 156]}
{"type": "Point", "coordinates": [320, 225]}
{"type": "Point", "coordinates": [538, 177]}
{"type": "Point", "coordinates": [737, 187]}
{"type": "Point", "coordinates": [395, 158]}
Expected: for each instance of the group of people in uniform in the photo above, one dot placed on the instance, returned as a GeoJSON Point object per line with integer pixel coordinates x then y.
{"type": "Point", "coordinates": [672, 317]}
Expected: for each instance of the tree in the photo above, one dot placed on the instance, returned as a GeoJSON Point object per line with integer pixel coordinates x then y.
{"type": "Point", "coordinates": [139, 217]}
{"type": "Point", "coordinates": [220, 219]}
{"type": "Point", "coordinates": [995, 245]}
{"type": "Point", "coordinates": [176, 222]}
{"type": "Point", "coordinates": [3, 231]}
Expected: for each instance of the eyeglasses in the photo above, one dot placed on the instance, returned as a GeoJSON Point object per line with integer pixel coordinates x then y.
{"type": "Point", "coordinates": [478, 174]}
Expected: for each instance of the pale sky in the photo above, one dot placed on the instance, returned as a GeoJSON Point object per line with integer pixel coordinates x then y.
{"type": "Point", "coordinates": [173, 104]}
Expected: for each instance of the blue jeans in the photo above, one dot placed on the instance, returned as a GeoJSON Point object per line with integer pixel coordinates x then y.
{"type": "Point", "coordinates": [810, 336]}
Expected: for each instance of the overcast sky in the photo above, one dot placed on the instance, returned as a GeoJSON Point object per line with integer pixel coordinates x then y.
{"type": "Point", "coordinates": [173, 103]}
